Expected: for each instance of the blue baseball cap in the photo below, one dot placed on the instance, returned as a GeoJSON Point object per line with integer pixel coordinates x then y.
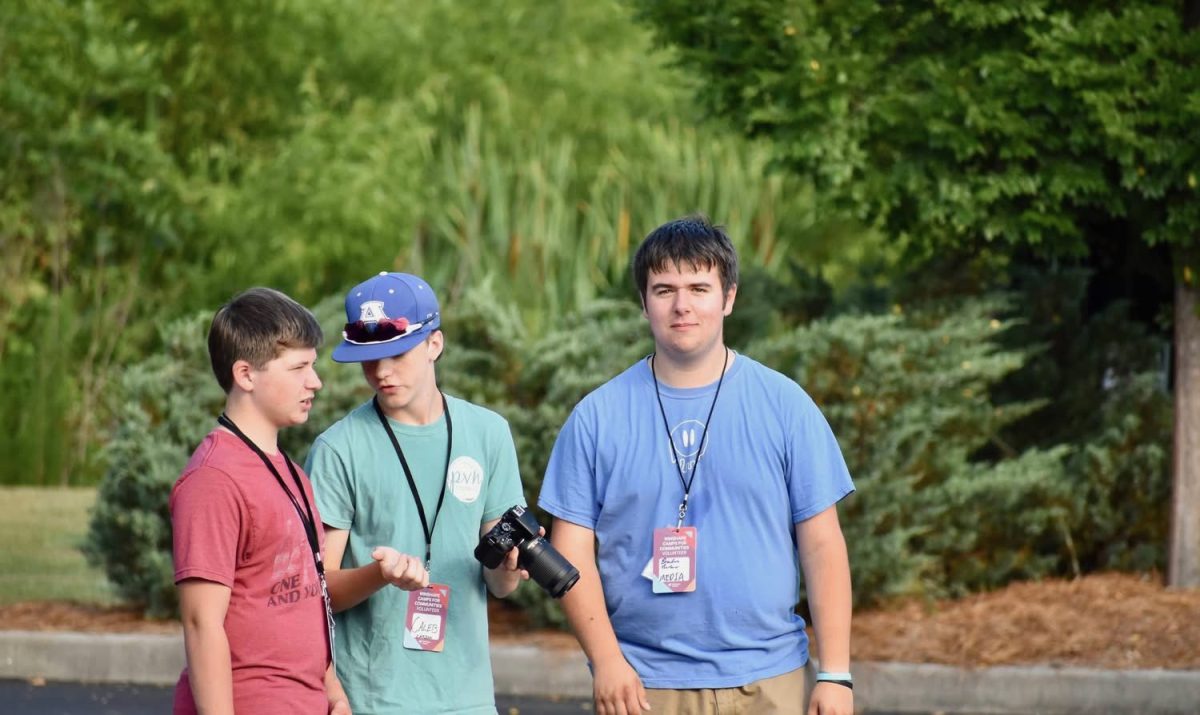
{"type": "Point", "coordinates": [387, 315]}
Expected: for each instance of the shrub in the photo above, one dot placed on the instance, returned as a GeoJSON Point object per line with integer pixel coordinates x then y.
{"type": "Point", "coordinates": [169, 404]}
{"type": "Point", "coordinates": [908, 397]}
{"type": "Point", "coordinates": [945, 505]}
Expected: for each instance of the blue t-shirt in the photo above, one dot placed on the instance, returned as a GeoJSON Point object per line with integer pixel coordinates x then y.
{"type": "Point", "coordinates": [768, 462]}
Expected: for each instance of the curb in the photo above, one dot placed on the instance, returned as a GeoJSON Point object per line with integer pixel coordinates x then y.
{"type": "Point", "coordinates": [158, 659]}
{"type": "Point", "coordinates": [534, 671]}
{"type": "Point", "coordinates": [91, 657]}
{"type": "Point", "coordinates": [1003, 690]}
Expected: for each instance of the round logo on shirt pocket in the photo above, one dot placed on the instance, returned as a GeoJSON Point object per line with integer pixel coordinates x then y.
{"type": "Point", "coordinates": [465, 479]}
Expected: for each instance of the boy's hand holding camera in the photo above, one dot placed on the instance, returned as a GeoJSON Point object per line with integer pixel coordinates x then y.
{"type": "Point", "coordinates": [401, 570]}
{"type": "Point", "coordinates": [517, 542]}
{"type": "Point", "coordinates": [512, 560]}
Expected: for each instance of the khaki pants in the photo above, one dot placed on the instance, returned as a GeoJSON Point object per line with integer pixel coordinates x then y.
{"type": "Point", "coordinates": [781, 695]}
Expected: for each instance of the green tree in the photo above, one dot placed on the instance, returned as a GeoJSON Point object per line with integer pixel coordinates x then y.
{"type": "Point", "coordinates": [973, 125]}
{"type": "Point", "coordinates": [156, 158]}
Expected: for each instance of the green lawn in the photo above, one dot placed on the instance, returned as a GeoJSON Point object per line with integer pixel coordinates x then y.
{"type": "Point", "coordinates": [41, 530]}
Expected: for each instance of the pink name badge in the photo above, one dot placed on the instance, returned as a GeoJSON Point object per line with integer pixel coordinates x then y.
{"type": "Point", "coordinates": [674, 559]}
{"type": "Point", "coordinates": [424, 625]}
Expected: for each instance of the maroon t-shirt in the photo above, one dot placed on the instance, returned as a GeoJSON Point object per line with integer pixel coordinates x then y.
{"type": "Point", "coordinates": [234, 525]}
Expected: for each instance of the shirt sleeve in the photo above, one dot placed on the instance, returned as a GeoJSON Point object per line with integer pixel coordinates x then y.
{"type": "Point", "coordinates": [569, 487]}
{"type": "Point", "coordinates": [332, 485]}
{"type": "Point", "coordinates": [208, 526]}
{"type": "Point", "coordinates": [504, 483]}
{"type": "Point", "coordinates": [817, 476]}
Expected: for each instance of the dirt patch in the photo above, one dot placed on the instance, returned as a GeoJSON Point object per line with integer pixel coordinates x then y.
{"type": "Point", "coordinates": [1125, 621]}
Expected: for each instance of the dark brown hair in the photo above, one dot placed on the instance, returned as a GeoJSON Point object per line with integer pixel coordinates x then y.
{"type": "Point", "coordinates": [692, 240]}
{"type": "Point", "coordinates": [256, 326]}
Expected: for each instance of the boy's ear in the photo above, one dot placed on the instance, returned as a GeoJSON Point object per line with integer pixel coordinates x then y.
{"type": "Point", "coordinates": [243, 376]}
{"type": "Point", "coordinates": [437, 343]}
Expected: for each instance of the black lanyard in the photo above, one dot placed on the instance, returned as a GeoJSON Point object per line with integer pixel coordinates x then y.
{"type": "Point", "coordinates": [426, 525]}
{"type": "Point", "coordinates": [310, 524]}
{"type": "Point", "coordinates": [687, 484]}
{"type": "Point", "coordinates": [306, 515]}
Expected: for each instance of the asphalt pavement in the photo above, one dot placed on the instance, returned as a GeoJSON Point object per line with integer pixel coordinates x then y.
{"type": "Point", "coordinates": [19, 697]}
{"type": "Point", "coordinates": [130, 670]}
{"type": "Point", "coordinates": [24, 698]}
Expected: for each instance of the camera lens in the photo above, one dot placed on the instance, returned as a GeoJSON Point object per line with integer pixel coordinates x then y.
{"type": "Point", "coordinates": [548, 567]}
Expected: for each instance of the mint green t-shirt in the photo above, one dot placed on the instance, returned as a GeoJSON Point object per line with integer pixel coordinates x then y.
{"type": "Point", "coordinates": [360, 486]}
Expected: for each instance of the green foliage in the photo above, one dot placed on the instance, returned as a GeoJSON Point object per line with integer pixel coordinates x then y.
{"type": "Point", "coordinates": [170, 401]}
{"type": "Point", "coordinates": [587, 349]}
{"type": "Point", "coordinates": [88, 204]}
{"type": "Point", "coordinates": [1107, 375]}
{"type": "Point", "coordinates": [494, 200]}
{"type": "Point", "coordinates": [945, 504]}
{"type": "Point", "coordinates": [954, 122]}
{"type": "Point", "coordinates": [155, 159]}
{"type": "Point", "coordinates": [909, 398]}
{"type": "Point", "coordinates": [991, 131]}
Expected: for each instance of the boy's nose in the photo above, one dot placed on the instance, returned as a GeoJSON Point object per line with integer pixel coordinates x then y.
{"type": "Point", "coordinates": [383, 368]}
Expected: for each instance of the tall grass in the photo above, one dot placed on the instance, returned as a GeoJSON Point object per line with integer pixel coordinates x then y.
{"type": "Point", "coordinates": [304, 146]}
{"type": "Point", "coordinates": [553, 233]}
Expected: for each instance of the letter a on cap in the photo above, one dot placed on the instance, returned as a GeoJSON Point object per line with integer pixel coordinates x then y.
{"type": "Point", "coordinates": [372, 312]}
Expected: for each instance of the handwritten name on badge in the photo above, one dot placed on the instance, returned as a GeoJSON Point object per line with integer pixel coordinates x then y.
{"type": "Point", "coordinates": [674, 560]}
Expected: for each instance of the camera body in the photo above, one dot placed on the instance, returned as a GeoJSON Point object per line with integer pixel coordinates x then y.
{"type": "Point", "coordinates": [518, 529]}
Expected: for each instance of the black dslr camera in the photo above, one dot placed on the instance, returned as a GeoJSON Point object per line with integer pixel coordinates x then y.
{"type": "Point", "coordinates": [518, 529]}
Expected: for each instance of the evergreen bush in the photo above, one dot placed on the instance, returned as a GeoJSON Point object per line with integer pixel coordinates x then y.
{"type": "Point", "coordinates": [168, 403]}
{"type": "Point", "coordinates": [945, 505]}
{"type": "Point", "coordinates": [908, 397]}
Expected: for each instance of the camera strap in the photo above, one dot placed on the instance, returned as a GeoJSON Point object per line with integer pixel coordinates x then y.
{"type": "Point", "coordinates": [687, 483]}
{"type": "Point", "coordinates": [306, 515]}
{"type": "Point", "coordinates": [426, 525]}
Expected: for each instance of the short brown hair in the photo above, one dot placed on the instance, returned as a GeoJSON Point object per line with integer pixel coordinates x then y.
{"type": "Point", "coordinates": [691, 240]}
{"type": "Point", "coordinates": [256, 326]}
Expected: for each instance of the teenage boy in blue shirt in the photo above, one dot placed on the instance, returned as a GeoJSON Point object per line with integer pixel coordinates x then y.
{"type": "Point", "coordinates": [686, 490]}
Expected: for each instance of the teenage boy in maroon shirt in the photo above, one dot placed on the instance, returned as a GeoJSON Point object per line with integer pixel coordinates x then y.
{"type": "Point", "coordinates": [246, 531]}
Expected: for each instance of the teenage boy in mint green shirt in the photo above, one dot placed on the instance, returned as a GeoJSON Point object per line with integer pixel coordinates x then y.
{"type": "Point", "coordinates": [406, 483]}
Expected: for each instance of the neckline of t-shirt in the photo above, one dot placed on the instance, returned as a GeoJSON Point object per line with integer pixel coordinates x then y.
{"type": "Point", "coordinates": [693, 393]}
{"type": "Point", "coordinates": [437, 428]}
{"type": "Point", "coordinates": [233, 439]}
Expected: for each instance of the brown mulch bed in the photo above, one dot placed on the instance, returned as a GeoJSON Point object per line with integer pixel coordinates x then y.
{"type": "Point", "coordinates": [86, 618]}
{"type": "Point", "coordinates": [1125, 621]}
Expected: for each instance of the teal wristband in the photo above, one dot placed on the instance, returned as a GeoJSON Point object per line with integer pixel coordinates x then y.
{"type": "Point", "coordinates": [843, 679]}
